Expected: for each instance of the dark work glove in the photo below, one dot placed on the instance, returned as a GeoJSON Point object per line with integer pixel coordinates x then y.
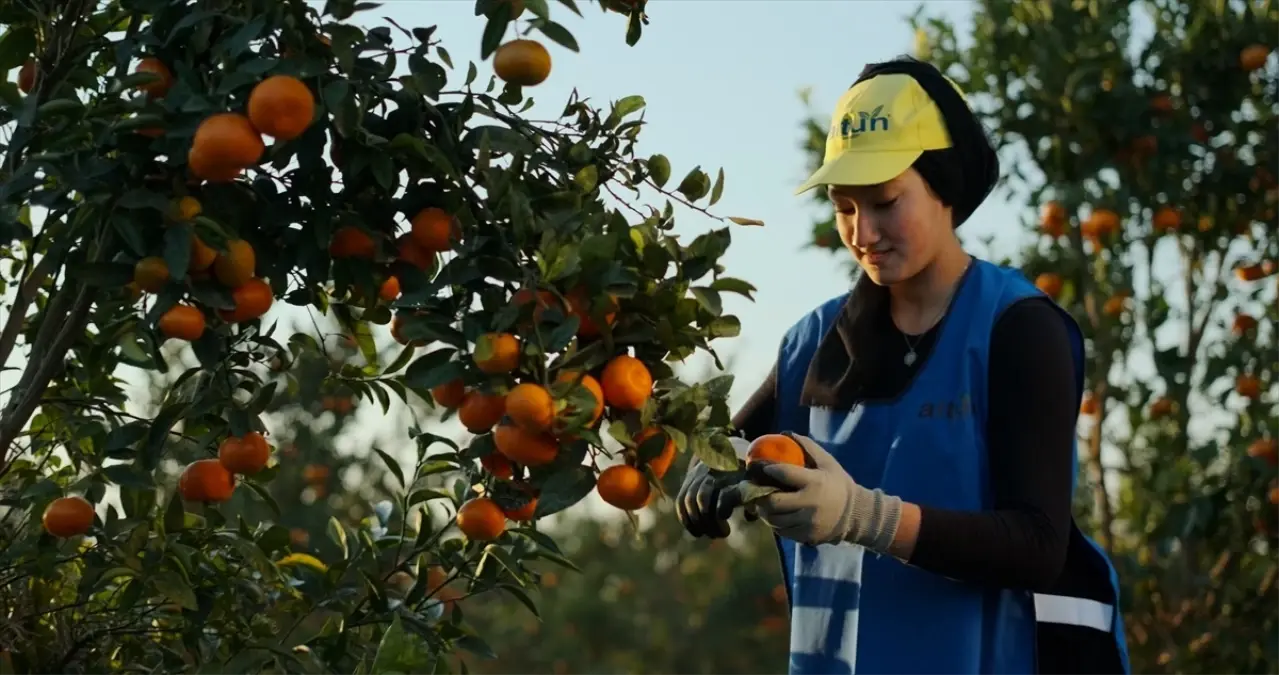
{"type": "Point", "coordinates": [701, 505]}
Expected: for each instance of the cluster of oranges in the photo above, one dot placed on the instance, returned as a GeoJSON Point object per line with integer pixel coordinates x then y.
{"type": "Point", "coordinates": [432, 231]}
{"type": "Point", "coordinates": [531, 420]}
{"type": "Point", "coordinates": [213, 480]}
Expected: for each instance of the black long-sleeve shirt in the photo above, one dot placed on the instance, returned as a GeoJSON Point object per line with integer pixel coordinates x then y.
{"type": "Point", "coordinates": [1022, 541]}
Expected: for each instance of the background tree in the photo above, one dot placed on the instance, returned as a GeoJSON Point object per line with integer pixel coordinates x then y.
{"type": "Point", "coordinates": [148, 226]}
{"type": "Point", "coordinates": [1143, 139]}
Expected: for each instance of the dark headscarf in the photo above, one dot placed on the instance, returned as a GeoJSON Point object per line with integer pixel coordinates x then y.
{"type": "Point", "coordinates": [961, 176]}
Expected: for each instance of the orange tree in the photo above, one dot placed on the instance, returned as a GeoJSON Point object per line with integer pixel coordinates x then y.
{"type": "Point", "coordinates": [1148, 170]}
{"type": "Point", "coordinates": [141, 209]}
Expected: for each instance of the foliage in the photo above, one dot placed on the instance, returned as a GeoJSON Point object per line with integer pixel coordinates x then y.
{"type": "Point", "coordinates": [1148, 169]}
{"type": "Point", "coordinates": [141, 215]}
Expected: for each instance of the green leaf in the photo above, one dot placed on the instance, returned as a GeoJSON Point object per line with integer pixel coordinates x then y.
{"type": "Point", "coordinates": [338, 534]}
{"type": "Point", "coordinates": [695, 185]}
{"type": "Point", "coordinates": [393, 465]}
{"type": "Point", "coordinates": [16, 46]}
{"type": "Point", "coordinates": [709, 299]}
{"type": "Point", "coordinates": [732, 285]}
{"type": "Point", "coordinates": [564, 489]}
{"type": "Point", "coordinates": [174, 515]}
{"type": "Point", "coordinates": [402, 652]}
{"type": "Point", "coordinates": [718, 190]}
{"type": "Point", "coordinates": [174, 587]}
{"type": "Point", "coordinates": [122, 439]}
{"type": "Point", "coordinates": [715, 455]}
{"type": "Point", "coordinates": [433, 369]}
{"type": "Point", "coordinates": [177, 249]}
{"type": "Point", "coordinates": [587, 178]}
{"type": "Point", "coordinates": [634, 28]}
{"type": "Point", "coordinates": [494, 30]}
{"type": "Point", "coordinates": [557, 34]}
{"type": "Point", "coordinates": [126, 475]}
{"type": "Point", "coordinates": [724, 327]}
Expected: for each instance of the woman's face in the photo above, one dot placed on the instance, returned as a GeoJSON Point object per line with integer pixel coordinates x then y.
{"type": "Point", "coordinates": [894, 229]}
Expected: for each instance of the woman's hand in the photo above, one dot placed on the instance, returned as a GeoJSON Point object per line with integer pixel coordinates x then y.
{"type": "Point", "coordinates": [824, 505]}
{"type": "Point", "coordinates": [702, 506]}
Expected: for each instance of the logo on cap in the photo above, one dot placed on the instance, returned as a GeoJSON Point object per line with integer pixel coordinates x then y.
{"type": "Point", "coordinates": [850, 127]}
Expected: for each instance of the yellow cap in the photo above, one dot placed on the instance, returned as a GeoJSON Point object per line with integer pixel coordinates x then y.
{"type": "Point", "coordinates": [880, 127]}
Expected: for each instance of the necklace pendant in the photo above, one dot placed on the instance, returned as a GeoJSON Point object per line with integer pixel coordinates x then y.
{"type": "Point", "coordinates": [909, 359]}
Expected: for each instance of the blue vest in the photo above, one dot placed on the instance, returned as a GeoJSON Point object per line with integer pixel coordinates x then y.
{"type": "Point", "coordinates": [853, 611]}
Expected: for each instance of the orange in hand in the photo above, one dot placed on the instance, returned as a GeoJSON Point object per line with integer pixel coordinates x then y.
{"type": "Point", "coordinates": [778, 448]}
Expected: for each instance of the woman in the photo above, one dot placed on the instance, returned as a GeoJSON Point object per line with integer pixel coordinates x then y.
{"type": "Point", "coordinates": [938, 402]}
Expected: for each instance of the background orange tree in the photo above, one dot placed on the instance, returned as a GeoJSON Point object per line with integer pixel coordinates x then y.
{"type": "Point", "coordinates": [148, 226]}
{"type": "Point", "coordinates": [1144, 141]}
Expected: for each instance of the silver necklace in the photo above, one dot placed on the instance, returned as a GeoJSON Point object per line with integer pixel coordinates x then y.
{"type": "Point", "coordinates": [911, 356]}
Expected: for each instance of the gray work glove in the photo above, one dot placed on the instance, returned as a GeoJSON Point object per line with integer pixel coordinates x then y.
{"type": "Point", "coordinates": [823, 505]}
{"type": "Point", "coordinates": [702, 507]}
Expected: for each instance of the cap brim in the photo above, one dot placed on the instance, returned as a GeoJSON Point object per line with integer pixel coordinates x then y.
{"type": "Point", "coordinates": [862, 168]}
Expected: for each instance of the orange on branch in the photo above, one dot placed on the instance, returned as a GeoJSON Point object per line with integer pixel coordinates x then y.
{"type": "Point", "coordinates": [1253, 57]}
{"type": "Point", "coordinates": [525, 447]}
{"type": "Point", "coordinates": [1166, 219]}
{"type": "Point", "coordinates": [480, 412]}
{"type": "Point", "coordinates": [350, 241]}
{"type": "Point", "coordinates": [252, 300]}
{"type": "Point", "coordinates": [1248, 386]}
{"type": "Point", "coordinates": [481, 520]}
{"type": "Point", "coordinates": [411, 253]}
{"type": "Point", "coordinates": [27, 76]}
{"type": "Point", "coordinates": [151, 274]}
{"type": "Point", "coordinates": [522, 62]}
{"type": "Point", "coordinates": [228, 140]}
{"type": "Point", "coordinates": [662, 462]}
{"type": "Point", "coordinates": [389, 290]}
{"type": "Point", "coordinates": [206, 480]}
{"type": "Point", "coordinates": [1050, 283]}
{"type": "Point", "coordinates": [236, 267]}
{"type": "Point", "coordinates": [1052, 219]}
{"type": "Point", "coordinates": [497, 464]}
{"type": "Point", "coordinates": [531, 407]}
{"type": "Point", "coordinates": [451, 394]}
{"type": "Point", "coordinates": [205, 168]}
{"type": "Point", "coordinates": [282, 107]}
{"type": "Point", "coordinates": [1266, 449]}
{"type": "Point", "coordinates": [434, 230]}
{"type": "Point", "coordinates": [497, 353]}
{"type": "Point", "coordinates": [580, 306]}
{"type": "Point", "coordinates": [1243, 324]}
{"type": "Point", "coordinates": [590, 384]}
{"type": "Point", "coordinates": [183, 322]}
{"type": "Point", "coordinates": [624, 487]}
{"type": "Point", "coordinates": [157, 88]}
{"type": "Point", "coordinates": [247, 454]}
{"type": "Point", "coordinates": [68, 517]}
{"type": "Point", "coordinates": [627, 384]}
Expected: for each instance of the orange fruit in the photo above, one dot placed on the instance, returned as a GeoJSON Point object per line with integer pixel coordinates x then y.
{"type": "Point", "coordinates": [282, 107]}
{"type": "Point", "coordinates": [662, 462]}
{"type": "Point", "coordinates": [1161, 103]}
{"type": "Point", "coordinates": [530, 406]}
{"type": "Point", "coordinates": [778, 448]}
{"type": "Point", "coordinates": [315, 474]}
{"type": "Point", "coordinates": [415, 255]}
{"type": "Point", "coordinates": [497, 353]}
{"type": "Point", "coordinates": [27, 76]}
{"type": "Point", "coordinates": [1052, 219]}
{"type": "Point", "coordinates": [580, 306]}
{"type": "Point", "coordinates": [236, 267]}
{"type": "Point", "coordinates": [352, 242]}
{"type": "Point", "coordinates": [525, 447]}
{"type": "Point", "coordinates": [544, 299]}
{"type": "Point", "coordinates": [591, 385]}
{"type": "Point", "coordinates": [1088, 406]}
{"type": "Point", "coordinates": [481, 520]}
{"type": "Point", "coordinates": [1265, 449]}
{"type": "Point", "coordinates": [202, 255]}
{"type": "Point", "coordinates": [624, 487]}
{"type": "Point", "coordinates": [524, 512]}
{"type": "Point", "coordinates": [1253, 57]}
{"type": "Point", "coordinates": [205, 168]}
{"type": "Point", "coordinates": [389, 290]}
{"type": "Point", "coordinates": [206, 480]}
{"type": "Point", "coordinates": [480, 412]}
{"type": "Point", "coordinates": [158, 88]}
{"type": "Point", "coordinates": [522, 62]}
{"type": "Point", "coordinates": [1100, 223]}
{"type": "Point", "coordinates": [1161, 407]}
{"type": "Point", "coordinates": [252, 300]}
{"type": "Point", "coordinates": [434, 230]}
{"type": "Point", "coordinates": [1248, 386]}
{"type": "Point", "coordinates": [228, 140]}
{"type": "Point", "coordinates": [497, 464]}
{"type": "Point", "coordinates": [151, 274]}
{"type": "Point", "coordinates": [1114, 306]}
{"type": "Point", "coordinates": [1166, 219]}
{"type": "Point", "coordinates": [627, 384]}
{"type": "Point", "coordinates": [183, 322]}
{"type": "Point", "coordinates": [187, 208]}
{"type": "Point", "coordinates": [1242, 324]}
{"type": "Point", "coordinates": [450, 394]}
{"type": "Point", "coordinates": [68, 517]}
{"type": "Point", "coordinates": [1050, 283]}
{"type": "Point", "coordinates": [246, 455]}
